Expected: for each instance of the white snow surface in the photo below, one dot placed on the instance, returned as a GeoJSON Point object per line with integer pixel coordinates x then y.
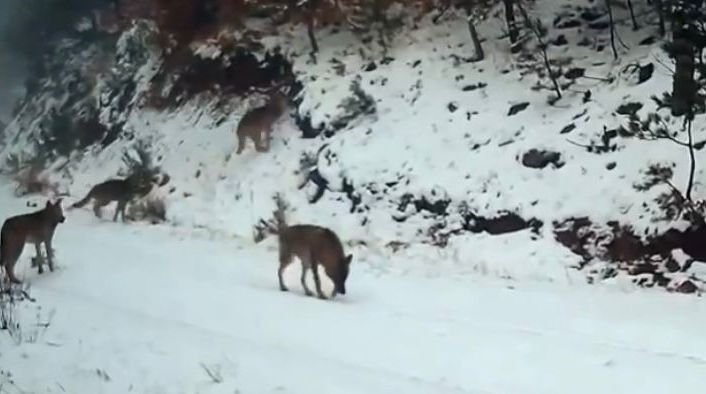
{"type": "Point", "coordinates": [138, 308]}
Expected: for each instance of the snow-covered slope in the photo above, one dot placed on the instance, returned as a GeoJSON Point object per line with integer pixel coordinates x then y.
{"type": "Point", "coordinates": [150, 309]}
{"type": "Point", "coordinates": [437, 161]}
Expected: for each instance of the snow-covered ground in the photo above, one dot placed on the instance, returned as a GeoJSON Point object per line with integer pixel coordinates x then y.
{"type": "Point", "coordinates": [147, 309]}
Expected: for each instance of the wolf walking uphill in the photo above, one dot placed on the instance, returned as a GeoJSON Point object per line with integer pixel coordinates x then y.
{"type": "Point", "coordinates": [37, 228]}
{"type": "Point", "coordinates": [121, 190]}
{"type": "Point", "coordinates": [257, 123]}
{"type": "Point", "coordinates": [313, 245]}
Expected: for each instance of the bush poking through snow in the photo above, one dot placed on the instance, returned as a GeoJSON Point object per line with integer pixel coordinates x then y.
{"type": "Point", "coordinates": [10, 298]}
{"type": "Point", "coordinates": [213, 373]}
{"type": "Point", "coordinates": [140, 166]}
{"type": "Point", "coordinates": [29, 174]}
{"type": "Point", "coordinates": [7, 383]}
{"type": "Point", "coordinates": [360, 103]}
{"type": "Point", "coordinates": [139, 162]}
{"type": "Point", "coordinates": [149, 208]}
{"type": "Point", "coordinates": [270, 227]}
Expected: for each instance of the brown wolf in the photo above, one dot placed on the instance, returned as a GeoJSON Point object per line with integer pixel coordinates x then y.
{"type": "Point", "coordinates": [314, 246]}
{"type": "Point", "coordinates": [120, 190]}
{"type": "Point", "coordinates": [37, 228]}
{"type": "Point", "coordinates": [257, 123]}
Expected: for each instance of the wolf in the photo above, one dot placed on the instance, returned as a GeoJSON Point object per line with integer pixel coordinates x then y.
{"type": "Point", "coordinates": [120, 190]}
{"type": "Point", "coordinates": [37, 228]}
{"type": "Point", "coordinates": [257, 123]}
{"type": "Point", "coordinates": [314, 246]}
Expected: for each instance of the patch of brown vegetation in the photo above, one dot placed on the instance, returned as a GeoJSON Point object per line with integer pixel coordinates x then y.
{"type": "Point", "coordinates": [649, 261]}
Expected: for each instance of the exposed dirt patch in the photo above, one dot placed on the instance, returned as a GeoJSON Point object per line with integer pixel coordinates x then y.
{"type": "Point", "coordinates": [650, 262]}
{"type": "Point", "coordinates": [505, 222]}
{"type": "Point", "coordinates": [535, 158]}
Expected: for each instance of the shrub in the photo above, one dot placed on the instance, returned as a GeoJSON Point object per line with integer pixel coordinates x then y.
{"type": "Point", "coordinates": [140, 164]}
{"type": "Point", "coordinates": [149, 208]}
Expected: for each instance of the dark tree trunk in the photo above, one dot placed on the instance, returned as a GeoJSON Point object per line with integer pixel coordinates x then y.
{"type": "Point", "coordinates": [660, 13]}
{"type": "Point", "coordinates": [512, 24]}
{"type": "Point", "coordinates": [684, 17]}
{"type": "Point", "coordinates": [381, 19]}
{"type": "Point", "coordinates": [310, 21]}
{"type": "Point", "coordinates": [477, 47]}
{"type": "Point", "coordinates": [609, 6]}
{"type": "Point", "coordinates": [635, 26]}
{"type": "Point", "coordinates": [533, 27]}
{"type": "Point", "coordinates": [692, 159]}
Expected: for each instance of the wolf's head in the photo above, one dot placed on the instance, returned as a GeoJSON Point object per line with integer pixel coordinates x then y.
{"type": "Point", "coordinates": [54, 212]}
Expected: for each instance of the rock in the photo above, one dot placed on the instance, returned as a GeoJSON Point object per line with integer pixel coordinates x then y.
{"type": "Point", "coordinates": [535, 158]}
{"type": "Point", "coordinates": [568, 128]}
{"type": "Point", "coordinates": [645, 73]}
{"type": "Point", "coordinates": [672, 266]}
{"type": "Point", "coordinates": [580, 114]}
{"type": "Point", "coordinates": [505, 222]}
{"type": "Point", "coordinates": [576, 72]}
{"type": "Point", "coordinates": [575, 234]}
{"type": "Point", "coordinates": [308, 130]}
{"type": "Point", "coordinates": [584, 42]}
{"type": "Point", "coordinates": [586, 96]}
{"type": "Point", "coordinates": [592, 14]}
{"type": "Point", "coordinates": [452, 107]}
{"type": "Point", "coordinates": [560, 41]}
{"type": "Point", "coordinates": [687, 287]}
{"type": "Point", "coordinates": [438, 207]}
{"type": "Point", "coordinates": [599, 25]}
{"type": "Point", "coordinates": [370, 67]}
{"type": "Point", "coordinates": [472, 87]}
{"type": "Point", "coordinates": [642, 268]}
{"type": "Point", "coordinates": [625, 245]}
{"type": "Point", "coordinates": [517, 108]}
{"type": "Point", "coordinates": [629, 108]}
{"type": "Point", "coordinates": [610, 166]}
{"type": "Point", "coordinates": [648, 41]}
{"type": "Point", "coordinates": [567, 23]}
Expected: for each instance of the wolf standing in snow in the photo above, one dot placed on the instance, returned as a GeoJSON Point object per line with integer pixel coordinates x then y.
{"type": "Point", "coordinates": [257, 123]}
{"type": "Point", "coordinates": [37, 228]}
{"type": "Point", "coordinates": [314, 246]}
{"type": "Point", "coordinates": [120, 190]}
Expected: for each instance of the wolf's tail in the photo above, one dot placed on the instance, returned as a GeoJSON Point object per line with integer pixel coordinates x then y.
{"type": "Point", "coordinates": [83, 202]}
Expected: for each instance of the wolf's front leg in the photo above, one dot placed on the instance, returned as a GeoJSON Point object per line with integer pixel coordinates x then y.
{"type": "Point", "coordinates": [50, 254]}
{"type": "Point", "coordinates": [317, 281]}
{"type": "Point", "coordinates": [39, 259]}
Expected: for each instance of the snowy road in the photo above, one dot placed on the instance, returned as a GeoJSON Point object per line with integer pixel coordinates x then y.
{"type": "Point", "coordinates": [148, 309]}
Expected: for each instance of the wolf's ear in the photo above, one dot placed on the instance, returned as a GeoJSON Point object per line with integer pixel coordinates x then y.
{"type": "Point", "coordinates": [348, 259]}
{"type": "Point", "coordinates": [48, 204]}
{"type": "Point", "coordinates": [58, 202]}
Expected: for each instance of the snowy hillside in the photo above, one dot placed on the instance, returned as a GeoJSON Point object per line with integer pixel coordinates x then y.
{"type": "Point", "coordinates": [437, 164]}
